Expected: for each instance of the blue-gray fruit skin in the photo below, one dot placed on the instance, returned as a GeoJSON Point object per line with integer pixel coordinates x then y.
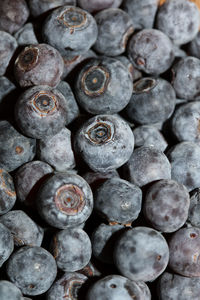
{"type": "Point", "coordinates": [41, 111]}
{"type": "Point", "coordinates": [147, 164]}
{"type": "Point", "coordinates": [94, 6]}
{"type": "Point", "coordinates": [95, 179]}
{"type": "Point", "coordinates": [68, 286]}
{"type": "Point", "coordinates": [118, 201]}
{"type": "Point", "coordinates": [149, 136]}
{"type": "Point", "coordinates": [194, 46]}
{"type": "Point", "coordinates": [57, 151]}
{"type": "Point", "coordinates": [135, 73]}
{"type": "Point", "coordinates": [185, 164]}
{"type": "Point", "coordinates": [141, 253]}
{"type": "Point", "coordinates": [24, 230]}
{"type": "Point", "coordinates": [153, 100]}
{"type": "Point", "coordinates": [103, 86]}
{"type": "Point", "coordinates": [71, 30]}
{"type": "Point", "coordinates": [7, 192]}
{"type": "Point", "coordinates": [15, 148]}
{"type": "Point", "coordinates": [110, 21]}
{"type": "Point", "coordinates": [184, 247]}
{"type": "Point", "coordinates": [166, 205]}
{"type": "Point", "coordinates": [8, 45]}
{"type": "Point", "coordinates": [186, 78]}
{"type": "Point", "coordinates": [187, 14]}
{"type": "Point", "coordinates": [174, 287]}
{"type": "Point", "coordinates": [103, 241]}
{"type": "Point", "coordinates": [38, 7]}
{"type": "Point", "coordinates": [9, 291]}
{"type": "Point", "coordinates": [151, 51]}
{"type": "Point", "coordinates": [6, 244]}
{"type": "Point", "coordinates": [105, 142]}
{"type": "Point", "coordinates": [26, 36]}
{"type": "Point", "coordinates": [32, 269]}
{"type": "Point", "coordinates": [6, 86]}
{"type": "Point", "coordinates": [65, 200]}
{"type": "Point", "coordinates": [39, 64]}
{"type": "Point", "coordinates": [116, 287]}
{"type": "Point", "coordinates": [194, 210]}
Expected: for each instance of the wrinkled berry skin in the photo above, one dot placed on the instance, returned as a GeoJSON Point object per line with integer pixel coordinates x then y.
{"type": "Point", "coordinates": [32, 269]}
{"type": "Point", "coordinates": [103, 86]}
{"type": "Point", "coordinates": [105, 142]}
{"type": "Point", "coordinates": [7, 192]}
{"type": "Point", "coordinates": [38, 7]}
{"type": "Point", "coordinates": [184, 247]}
{"type": "Point", "coordinates": [8, 44]}
{"type": "Point", "coordinates": [68, 286]}
{"type": "Point", "coordinates": [24, 230]}
{"type": "Point", "coordinates": [194, 46]}
{"type": "Point", "coordinates": [179, 20]}
{"type": "Point", "coordinates": [6, 244]}
{"type": "Point", "coordinates": [141, 253]}
{"type": "Point", "coordinates": [166, 205]}
{"type": "Point", "coordinates": [153, 100]}
{"type": "Point", "coordinates": [26, 36]}
{"type": "Point", "coordinates": [110, 21]}
{"type": "Point", "coordinates": [97, 5]}
{"type": "Point", "coordinates": [174, 287]}
{"type": "Point", "coordinates": [151, 51]}
{"type": "Point", "coordinates": [71, 249]}
{"type": "Point", "coordinates": [146, 165]}
{"type": "Point", "coordinates": [15, 148]}
{"type": "Point", "coordinates": [38, 64]}
{"type": "Point", "coordinates": [41, 111]}
{"type": "Point", "coordinates": [71, 30]}
{"type": "Point", "coordinates": [9, 291]}
{"type": "Point", "coordinates": [13, 15]}
{"type": "Point", "coordinates": [185, 164]}
{"type": "Point", "coordinates": [186, 78]}
{"type": "Point", "coordinates": [194, 210]}
{"type": "Point", "coordinates": [118, 201]}
{"type": "Point", "coordinates": [65, 200]}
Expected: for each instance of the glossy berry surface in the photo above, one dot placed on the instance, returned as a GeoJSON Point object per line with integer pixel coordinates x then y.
{"type": "Point", "coordinates": [8, 44]}
{"type": "Point", "coordinates": [6, 244]}
{"type": "Point", "coordinates": [9, 291]}
{"type": "Point", "coordinates": [7, 192]}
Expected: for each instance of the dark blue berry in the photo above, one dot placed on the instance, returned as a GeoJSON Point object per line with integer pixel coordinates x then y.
{"type": "Point", "coordinates": [8, 44]}
{"type": "Point", "coordinates": [6, 244]}
{"type": "Point", "coordinates": [26, 35]}
{"type": "Point", "coordinates": [194, 210]}
{"type": "Point", "coordinates": [9, 291]}
{"type": "Point", "coordinates": [96, 5]}
{"type": "Point", "coordinates": [38, 7]}
{"type": "Point", "coordinates": [7, 192]}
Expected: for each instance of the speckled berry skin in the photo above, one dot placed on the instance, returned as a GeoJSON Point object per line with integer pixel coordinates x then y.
{"type": "Point", "coordinates": [71, 30]}
{"type": "Point", "coordinates": [26, 35]}
{"type": "Point", "coordinates": [9, 291]}
{"type": "Point", "coordinates": [141, 253]}
{"type": "Point", "coordinates": [174, 287]}
{"type": "Point", "coordinates": [41, 111]}
{"type": "Point", "coordinates": [114, 29]}
{"type": "Point", "coordinates": [65, 200]}
{"type": "Point", "coordinates": [6, 244]}
{"type": "Point", "coordinates": [7, 192]}
{"type": "Point", "coordinates": [118, 201]}
{"type": "Point", "coordinates": [8, 44]}
{"type": "Point", "coordinates": [13, 15]}
{"type": "Point", "coordinates": [32, 269]}
{"type": "Point", "coordinates": [97, 5]}
{"type": "Point", "coordinates": [194, 46]}
{"type": "Point", "coordinates": [68, 286]}
{"type": "Point", "coordinates": [166, 205]}
{"type": "Point", "coordinates": [15, 148]}
{"type": "Point", "coordinates": [184, 247]}
{"type": "Point", "coordinates": [153, 100]}
{"type": "Point", "coordinates": [179, 20]}
{"type": "Point", "coordinates": [194, 210]}
{"type": "Point", "coordinates": [146, 165]}
{"type": "Point", "coordinates": [39, 64]}
{"type": "Point", "coordinates": [38, 7]}
{"type": "Point", "coordinates": [103, 86]}
{"type": "Point", "coordinates": [24, 230]}
{"type": "Point", "coordinates": [151, 51]}
{"type": "Point", "coordinates": [185, 164]}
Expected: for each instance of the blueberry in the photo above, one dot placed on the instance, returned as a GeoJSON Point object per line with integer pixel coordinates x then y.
{"type": "Point", "coordinates": [57, 151]}
{"type": "Point", "coordinates": [6, 87]}
{"type": "Point", "coordinates": [166, 205]}
{"type": "Point", "coordinates": [105, 142]}
{"type": "Point", "coordinates": [8, 45]}
{"type": "Point", "coordinates": [26, 35]}
{"type": "Point", "coordinates": [71, 30]}
{"type": "Point", "coordinates": [38, 65]}
{"type": "Point", "coordinates": [185, 164]}
{"type": "Point", "coordinates": [71, 249]}
{"type": "Point", "coordinates": [41, 111]}
{"type": "Point", "coordinates": [194, 46]}
{"type": "Point", "coordinates": [153, 100]}
{"type": "Point", "coordinates": [38, 7]}
{"type": "Point", "coordinates": [114, 29]}
{"type": "Point", "coordinates": [6, 244]}
{"type": "Point", "coordinates": [90, 270]}
{"type": "Point", "coordinates": [118, 200]}
{"type": "Point", "coordinates": [147, 164]}
{"type": "Point", "coordinates": [9, 291]}
{"type": "Point", "coordinates": [32, 269]}
{"type": "Point", "coordinates": [141, 253]}
{"type": "Point", "coordinates": [68, 286]}
{"type": "Point", "coordinates": [96, 5]}
{"type": "Point", "coordinates": [95, 179]}
{"type": "Point", "coordinates": [65, 200]}
{"type": "Point", "coordinates": [194, 210]}
{"type": "Point", "coordinates": [151, 51]}
{"type": "Point", "coordinates": [7, 192]}
{"type": "Point", "coordinates": [15, 148]}
{"type": "Point", "coordinates": [135, 73]}
{"type": "Point", "coordinates": [184, 247]}
{"type": "Point", "coordinates": [179, 19]}
{"type": "Point", "coordinates": [104, 85]}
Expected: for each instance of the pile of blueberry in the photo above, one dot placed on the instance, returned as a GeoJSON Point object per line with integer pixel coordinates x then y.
{"type": "Point", "coordinates": [99, 149]}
